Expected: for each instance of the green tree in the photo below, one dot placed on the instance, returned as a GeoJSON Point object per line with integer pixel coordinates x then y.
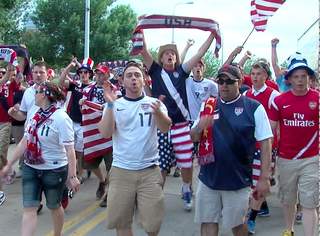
{"type": "Point", "coordinates": [60, 30]}
{"type": "Point", "coordinates": [212, 64]}
{"type": "Point", "coordinates": [10, 20]}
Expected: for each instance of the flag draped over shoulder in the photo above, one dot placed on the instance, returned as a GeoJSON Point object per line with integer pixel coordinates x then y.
{"type": "Point", "coordinates": [262, 10]}
{"type": "Point", "coordinates": [165, 21]}
{"type": "Point", "coordinates": [94, 144]}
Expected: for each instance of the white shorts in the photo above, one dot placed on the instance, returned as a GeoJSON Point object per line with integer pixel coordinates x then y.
{"type": "Point", "coordinates": [228, 207]}
{"type": "Point", "coordinates": [78, 137]}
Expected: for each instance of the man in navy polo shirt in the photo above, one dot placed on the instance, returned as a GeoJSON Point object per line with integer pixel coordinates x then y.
{"type": "Point", "coordinates": [236, 122]}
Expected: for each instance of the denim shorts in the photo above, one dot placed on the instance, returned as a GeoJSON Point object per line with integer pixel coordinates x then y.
{"type": "Point", "coordinates": [51, 182]}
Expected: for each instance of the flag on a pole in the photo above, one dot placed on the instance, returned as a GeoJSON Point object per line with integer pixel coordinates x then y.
{"type": "Point", "coordinates": [261, 10]}
{"type": "Point", "coordinates": [94, 144]}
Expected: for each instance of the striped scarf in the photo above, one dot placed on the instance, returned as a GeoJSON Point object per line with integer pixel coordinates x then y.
{"type": "Point", "coordinates": [206, 154]}
{"type": "Point", "coordinates": [163, 21]}
{"type": "Point", "coordinates": [33, 153]}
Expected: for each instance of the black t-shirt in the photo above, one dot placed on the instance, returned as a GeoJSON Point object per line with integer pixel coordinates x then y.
{"type": "Point", "coordinates": [17, 97]}
{"type": "Point", "coordinates": [74, 107]}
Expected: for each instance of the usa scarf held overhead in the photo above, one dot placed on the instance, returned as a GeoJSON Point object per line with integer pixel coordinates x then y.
{"type": "Point", "coordinates": [163, 21]}
{"type": "Point", "coordinates": [33, 153]}
{"type": "Point", "coordinates": [206, 154]}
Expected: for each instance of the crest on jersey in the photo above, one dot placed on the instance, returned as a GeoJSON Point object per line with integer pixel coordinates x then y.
{"type": "Point", "coordinates": [145, 106]}
{"type": "Point", "coordinates": [175, 74]}
{"type": "Point", "coordinates": [312, 105]}
{"type": "Point", "coordinates": [48, 121]}
{"type": "Point", "coordinates": [206, 89]}
{"type": "Point", "coordinates": [238, 111]}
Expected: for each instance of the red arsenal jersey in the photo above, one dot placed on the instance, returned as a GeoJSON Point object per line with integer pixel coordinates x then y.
{"type": "Point", "coordinates": [299, 124]}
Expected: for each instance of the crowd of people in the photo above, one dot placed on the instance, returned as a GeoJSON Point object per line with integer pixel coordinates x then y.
{"type": "Point", "coordinates": [247, 132]}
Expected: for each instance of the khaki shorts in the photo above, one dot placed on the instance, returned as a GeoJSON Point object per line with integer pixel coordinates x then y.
{"type": "Point", "coordinates": [228, 207]}
{"type": "Point", "coordinates": [135, 189]}
{"type": "Point", "coordinates": [5, 131]}
{"type": "Point", "coordinates": [299, 177]}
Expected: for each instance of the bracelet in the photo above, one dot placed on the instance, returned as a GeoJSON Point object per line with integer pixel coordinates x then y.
{"type": "Point", "coordinates": [110, 105]}
{"type": "Point", "coordinates": [73, 177]}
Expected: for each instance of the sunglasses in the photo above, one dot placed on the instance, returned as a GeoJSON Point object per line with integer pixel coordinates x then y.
{"type": "Point", "coordinates": [40, 91]}
{"type": "Point", "coordinates": [2, 72]}
{"type": "Point", "coordinates": [83, 71]}
{"type": "Point", "coordinates": [227, 81]}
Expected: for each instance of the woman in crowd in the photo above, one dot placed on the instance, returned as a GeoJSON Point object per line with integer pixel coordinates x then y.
{"type": "Point", "coordinates": [49, 159]}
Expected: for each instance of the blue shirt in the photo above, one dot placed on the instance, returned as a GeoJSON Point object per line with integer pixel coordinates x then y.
{"type": "Point", "coordinates": [232, 169]}
{"type": "Point", "coordinates": [283, 84]}
{"type": "Point", "coordinates": [178, 78]}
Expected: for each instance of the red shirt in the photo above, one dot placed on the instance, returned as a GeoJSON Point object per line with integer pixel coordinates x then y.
{"type": "Point", "coordinates": [272, 84]}
{"type": "Point", "coordinates": [266, 98]}
{"type": "Point", "coordinates": [7, 91]}
{"type": "Point", "coordinates": [299, 124]}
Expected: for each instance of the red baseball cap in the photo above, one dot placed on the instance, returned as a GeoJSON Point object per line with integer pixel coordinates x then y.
{"type": "Point", "coordinates": [102, 68]}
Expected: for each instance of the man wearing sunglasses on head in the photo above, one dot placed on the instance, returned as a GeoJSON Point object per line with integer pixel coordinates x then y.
{"type": "Point", "coordinates": [228, 128]}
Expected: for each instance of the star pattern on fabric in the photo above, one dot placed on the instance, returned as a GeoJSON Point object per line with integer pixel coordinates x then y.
{"type": "Point", "coordinates": [207, 145]}
{"type": "Point", "coordinates": [98, 93]}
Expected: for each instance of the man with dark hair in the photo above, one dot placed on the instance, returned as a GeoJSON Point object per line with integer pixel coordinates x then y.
{"type": "Point", "coordinates": [228, 129]}
{"type": "Point", "coordinates": [135, 181]}
{"type": "Point", "coordinates": [169, 79]}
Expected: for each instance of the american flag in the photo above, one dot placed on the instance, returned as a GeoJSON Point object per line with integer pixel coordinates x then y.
{"type": "Point", "coordinates": [261, 10]}
{"type": "Point", "coordinates": [94, 144]}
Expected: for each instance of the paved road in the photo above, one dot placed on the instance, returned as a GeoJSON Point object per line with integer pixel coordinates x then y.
{"type": "Point", "coordinates": [85, 217]}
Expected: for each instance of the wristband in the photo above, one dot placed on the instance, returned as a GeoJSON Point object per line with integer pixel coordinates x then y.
{"type": "Point", "coordinates": [273, 45]}
{"type": "Point", "coordinates": [110, 105]}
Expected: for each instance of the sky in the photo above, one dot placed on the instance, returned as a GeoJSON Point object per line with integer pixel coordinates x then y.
{"type": "Point", "coordinates": [233, 16]}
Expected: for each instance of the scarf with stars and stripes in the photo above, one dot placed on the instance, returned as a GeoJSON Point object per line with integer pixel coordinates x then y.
{"type": "Point", "coordinates": [206, 154]}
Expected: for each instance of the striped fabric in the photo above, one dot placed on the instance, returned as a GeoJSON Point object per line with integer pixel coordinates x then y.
{"type": "Point", "coordinates": [94, 144]}
{"type": "Point", "coordinates": [164, 21]}
{"type": "Point", "coordinates": [182, 144]}
{"type": "Point", "coordinates": [261, 10]}
{"type": "Point", "coordinates": [9, 55]}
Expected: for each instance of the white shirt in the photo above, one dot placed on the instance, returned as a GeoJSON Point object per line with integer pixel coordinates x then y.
{"type": "Point", "coordinates": [135, 140]}
{"type": "Point", "coordinates": [198, 92]}
{"type": "Point", "coordinates": [54, 134]}
{"type": "Point", "coordinates": [28, 102]}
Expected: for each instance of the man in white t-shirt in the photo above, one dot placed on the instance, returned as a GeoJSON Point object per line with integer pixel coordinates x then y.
{"type": "Point", "coordinates": [199, 89]}
{"type": "Point", "coordinates": [132, 121]}
{"type": "Point", "coordinates": [27, 108]}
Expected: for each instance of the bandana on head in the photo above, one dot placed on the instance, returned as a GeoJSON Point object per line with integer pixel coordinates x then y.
{"type": "Point", "coordinates": [33, 154]}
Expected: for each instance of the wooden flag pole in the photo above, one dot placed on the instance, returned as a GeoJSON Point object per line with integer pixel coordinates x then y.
{"type": "Point", "coordinates": [247, 37]}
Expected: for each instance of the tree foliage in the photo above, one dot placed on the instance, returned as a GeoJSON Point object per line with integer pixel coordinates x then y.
{"type": "Point", "coordinates": [10, 18]}
{"type": "Point", "coordinates": [60, 30]}
{"type": "Point", "coordinates": [212, 64]}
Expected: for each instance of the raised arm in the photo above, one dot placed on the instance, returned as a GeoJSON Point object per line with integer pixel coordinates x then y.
{"type": "Point", "coordinates": [65, 72]}
{"type": "Point", "coordinates": [244, 59]}
{"type": "Point", "coordinates": [190, 42]}
{"type": "Point", "coordinates": [147, 57]}
{"type": "Point", "coordinates": [233, 55]}
{"type": "Point", "coordinates": [274, 57]}
{"type": "Point", "coordinates": [202, 50]}
{"type": "Point", "coordinates": [107, 124]}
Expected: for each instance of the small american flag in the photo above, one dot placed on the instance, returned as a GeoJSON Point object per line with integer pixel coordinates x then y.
{"type": "Point", "coordinates": [94, 144]}
{"type": "Point", "coordinates": [261, 10]}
